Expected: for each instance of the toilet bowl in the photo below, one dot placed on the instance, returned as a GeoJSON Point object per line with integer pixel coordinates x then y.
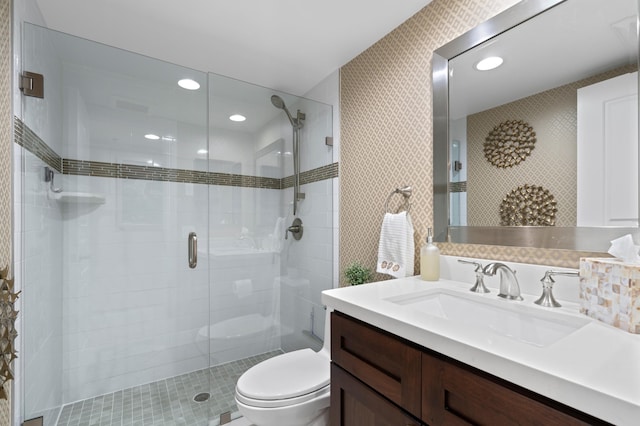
{"type": "Point", "coordinates": [291, 389]}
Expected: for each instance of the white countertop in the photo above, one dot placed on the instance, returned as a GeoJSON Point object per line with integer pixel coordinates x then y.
{"type": "Point", "coordinates": [596, 369]}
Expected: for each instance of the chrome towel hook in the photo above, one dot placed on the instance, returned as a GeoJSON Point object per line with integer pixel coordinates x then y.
{"type": "Point", "coordinates": [48, 177]}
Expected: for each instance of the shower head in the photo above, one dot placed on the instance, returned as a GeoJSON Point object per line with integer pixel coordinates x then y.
{"type": "Point", "coordinates": [279, 103]}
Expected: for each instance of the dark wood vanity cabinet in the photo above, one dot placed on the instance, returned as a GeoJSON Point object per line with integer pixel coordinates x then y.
{"type": "Point", "coordinates": [380, 379]}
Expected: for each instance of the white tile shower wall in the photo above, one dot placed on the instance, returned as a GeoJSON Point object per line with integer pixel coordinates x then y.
{"type": "Point", "coordinates": [245, 258]}
{"type": "Point", "coordinates": [114, 133]}
{"type": "Point", "coordinates": [132, 307]}
{"type": "Point", "coordinates": [234, 152]}
{"type": "Point", "coordinates": [308, 265]}
{"type": "Point", "coordinates": [41, 299]}
{"type": "Point", "coordinates": [314, 152]}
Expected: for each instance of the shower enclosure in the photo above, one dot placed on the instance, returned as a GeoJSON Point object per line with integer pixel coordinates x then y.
{"type": "Point", "coordinates": [160, 271]}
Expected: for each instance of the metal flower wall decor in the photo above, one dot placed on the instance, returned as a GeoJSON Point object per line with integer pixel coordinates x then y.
{"type": "Point", "coordinates": [509, 143]}
{"type": "Point", "coordinates": [528, 205]}
{"type": "Point", "coordinates": [8, 333]}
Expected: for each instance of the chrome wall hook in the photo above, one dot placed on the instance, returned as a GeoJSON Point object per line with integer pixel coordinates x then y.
{"type": "Point", "coordinates": [48, 177]}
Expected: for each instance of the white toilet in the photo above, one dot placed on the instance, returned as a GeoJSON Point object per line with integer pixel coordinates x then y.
{"type": "Point", "coordinates": [291, 389]}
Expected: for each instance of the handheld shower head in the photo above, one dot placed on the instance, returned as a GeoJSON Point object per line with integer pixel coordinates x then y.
{"type": "Point", "coordinates": [279, 103]}
{"type": "Point", "coordinates": [297, 124]}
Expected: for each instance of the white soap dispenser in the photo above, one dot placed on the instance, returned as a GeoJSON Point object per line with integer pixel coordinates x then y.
{"type": "Point", "coordinates": [430, 260]}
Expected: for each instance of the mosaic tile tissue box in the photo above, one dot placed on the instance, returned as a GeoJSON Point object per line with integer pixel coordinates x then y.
{"type": "Point", "coordinates": [610, 292]}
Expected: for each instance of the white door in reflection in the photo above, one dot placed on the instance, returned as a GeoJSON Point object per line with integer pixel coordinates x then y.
{"type": "Point", "coordinates": [607, 186]}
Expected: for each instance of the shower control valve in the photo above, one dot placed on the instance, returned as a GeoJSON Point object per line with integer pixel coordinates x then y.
{"type": "Point", "coordinates": [296, 229]}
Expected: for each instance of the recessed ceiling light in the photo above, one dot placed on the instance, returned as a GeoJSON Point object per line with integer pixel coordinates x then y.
{"type": "Point", "coordinates": [152, 136]}
{"type": "Point", "coordinates": [489, 63]}
{"type": "Point", "coordinates": [187, 83]}
{"type": "Point", "coordinates": [237, 117]}
{"type": "Point", "coordinates": [169, 138]}
{"type": "Point", "coordinates": [203, 151]}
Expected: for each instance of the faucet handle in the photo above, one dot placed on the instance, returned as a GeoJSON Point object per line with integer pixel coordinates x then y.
{"type": "Point", "coordinates": [479, 286]}
{"type": "Point", "coordinates": [547, 281]}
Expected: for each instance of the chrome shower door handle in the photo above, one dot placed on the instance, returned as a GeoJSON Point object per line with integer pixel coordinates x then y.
{"type": "Point", "coordinates": [193, 250]}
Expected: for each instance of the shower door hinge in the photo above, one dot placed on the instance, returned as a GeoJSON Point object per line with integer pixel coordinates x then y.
{"type": "Point", "coordinates": [38, 421]}
{"type": "Point", "coordinates": [328, 140]}
{"type": "Point", "coordinates": [32, 84]}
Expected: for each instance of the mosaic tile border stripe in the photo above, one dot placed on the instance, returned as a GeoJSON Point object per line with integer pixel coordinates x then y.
{"type": "Point", "coordinates": [458, 186]}
{"type": "Point", "coordinates": [26, 138]}
{"type": "Point", "coordinates": [164, 174]}
{"type": "Point", "coordinates": [329, 171]}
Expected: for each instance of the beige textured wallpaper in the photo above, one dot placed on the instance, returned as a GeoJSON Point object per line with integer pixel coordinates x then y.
{"type": "Point", "coordinates": [6, 161]}
{"type": "Point", "coordinates": [553, 116]}
{"type": "Point", "coordinates": [386, 125]}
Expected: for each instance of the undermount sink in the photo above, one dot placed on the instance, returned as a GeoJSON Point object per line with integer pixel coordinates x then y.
{"type": "Point", "coordinates": [514, 320]}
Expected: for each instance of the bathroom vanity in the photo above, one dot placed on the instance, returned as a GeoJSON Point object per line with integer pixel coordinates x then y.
{"type": "Point", "coordinates": [410, 352]}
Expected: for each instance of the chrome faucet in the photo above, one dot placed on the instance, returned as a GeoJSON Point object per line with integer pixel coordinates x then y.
{"type": "Point", "coordinates": [509, 287]}
{"type": "Point", "coordinates": [479, 286]}
{"type": "Point", "coordinates": [547, 281]}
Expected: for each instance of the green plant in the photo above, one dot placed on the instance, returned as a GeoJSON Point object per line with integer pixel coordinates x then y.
{"type": "Point", "coordinates": [357, 274]}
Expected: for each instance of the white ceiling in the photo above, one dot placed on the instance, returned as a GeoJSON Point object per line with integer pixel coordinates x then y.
{"type": "Point", "coordinates": [287, 45]}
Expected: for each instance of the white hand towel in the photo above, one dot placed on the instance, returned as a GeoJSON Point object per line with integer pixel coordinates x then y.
{"type": "Point", "coordinates": [395, 251]}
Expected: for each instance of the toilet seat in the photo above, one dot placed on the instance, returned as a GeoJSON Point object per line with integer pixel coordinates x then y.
{"type": "Point", "coordinates": [284, 380]}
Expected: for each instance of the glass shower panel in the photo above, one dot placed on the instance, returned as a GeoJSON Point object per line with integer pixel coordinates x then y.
{"type": "Point", "coordinates": [265, 288]}
{"type": "Point", "coordinates": [246, 161]}
{"type": "Point", "coordinates": [115, 320]}
{"type": "Point", "coordinates": [307, 267]}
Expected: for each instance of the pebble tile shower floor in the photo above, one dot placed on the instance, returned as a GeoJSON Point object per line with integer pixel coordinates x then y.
{"type": "Point", "coordinates": [166, 402]}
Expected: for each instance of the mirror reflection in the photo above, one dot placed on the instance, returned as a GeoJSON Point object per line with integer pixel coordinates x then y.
{"type": "Point", "coordinates": [550, 136]}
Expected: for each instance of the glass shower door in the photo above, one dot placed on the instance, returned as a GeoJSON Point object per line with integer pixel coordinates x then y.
{"type": "Point", "coordinates": [115, 313]}
{"type": "Point", "coordinates": [265, 286]}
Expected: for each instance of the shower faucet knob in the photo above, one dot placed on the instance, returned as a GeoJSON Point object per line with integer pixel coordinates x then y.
{"type": "Point", "coordinates": [296, 229]}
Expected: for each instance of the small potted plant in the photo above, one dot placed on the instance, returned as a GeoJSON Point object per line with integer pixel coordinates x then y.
{"type": "Point", "coordinates": [357, 274]}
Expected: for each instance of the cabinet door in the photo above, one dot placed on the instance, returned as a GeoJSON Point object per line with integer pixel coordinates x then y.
{"type": "Point", "coordinates": [355, 404]}
{"type": "Point", "coordinates": [452, 395]}
{"type": "Point", "coordinates": [380, 360]}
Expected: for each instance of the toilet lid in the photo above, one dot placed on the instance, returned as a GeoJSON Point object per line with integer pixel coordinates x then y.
{"type": "Point", "coordinates": [285, 376]}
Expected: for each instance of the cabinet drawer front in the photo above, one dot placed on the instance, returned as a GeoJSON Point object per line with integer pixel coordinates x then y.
{"type": "Point", "coordinates": [355, 404]}
{"type": "Point", "coordinates": [378, 359]}
{"type": "Point", "coordinates": [455, 396]}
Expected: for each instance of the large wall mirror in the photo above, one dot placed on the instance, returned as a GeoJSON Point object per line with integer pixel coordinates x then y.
{"type": "Point", "coordinates": [542, 150]}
